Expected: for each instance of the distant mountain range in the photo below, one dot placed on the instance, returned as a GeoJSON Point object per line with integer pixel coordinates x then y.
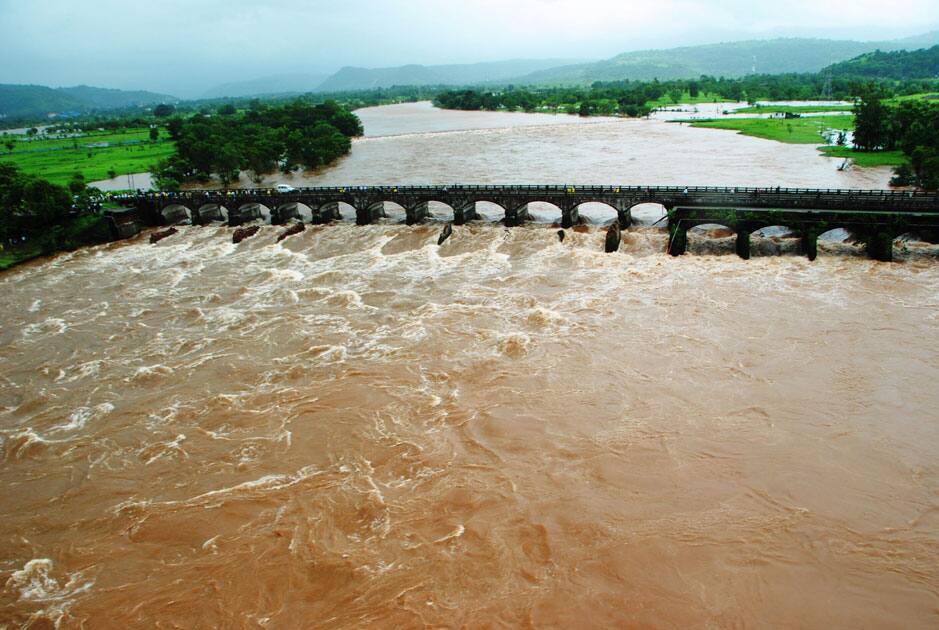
{"type": "Point", "coordinates": [734, 59]}
{"type": "Point", "coordinates": [350, 78]}
{"type": "Point", "coordinates": [35, 101]}
{"type": "Point", "coordinates": [276, 84]}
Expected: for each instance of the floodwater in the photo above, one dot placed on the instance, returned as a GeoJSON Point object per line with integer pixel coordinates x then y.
{"type": "Point", "coordinates": [568, 149]}
{"type": "Point", "coordinates": [354, 427]}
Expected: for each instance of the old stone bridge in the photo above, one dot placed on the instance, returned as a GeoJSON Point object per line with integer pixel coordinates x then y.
{"type": "Point", "coordinates": [873, 216]}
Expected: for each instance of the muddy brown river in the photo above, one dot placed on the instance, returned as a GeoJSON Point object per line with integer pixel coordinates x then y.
{"type": "Point", "coordinates": [354, 427]}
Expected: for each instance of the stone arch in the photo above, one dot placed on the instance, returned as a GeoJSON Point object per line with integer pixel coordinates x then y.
{"type": "Point", "coordinates": [249, 211]}
{"type": "Point", "coordinates": [775, 240]}
{"type": "Point", "coordinates": [176, 213]}
{"type": "Point", "coordinates": [712, 238]}
{"type": "Point", "coordinates": [292, 210]}
{"type": "Point", "coordinates": [370, 213]}
{"type": "Point", "coordinates": [396, 212]}
{"type": "Point", "coordinates": [544, 211]}
{"type": "Point", "coordinates": [440, 211]}
{"type": "Point", "coordinates": [489, 210]}
{"type": "Point", "coordinates": [212, 212]}
{"type": "Point", "coordinates": [841, 241]}
{"type": "Point", "coordinates": [649, 213]}
{"type": "Point", "coordinates": [596, 212]}
{"type": "Point", "coordinates": [916, 243]}
{"type": "Point", "coordinates": [346, 211]}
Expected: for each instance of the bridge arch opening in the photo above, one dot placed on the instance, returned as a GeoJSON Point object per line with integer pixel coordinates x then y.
{"type": "Point", "coordinates": [394, 212]}
{"type": "Point", "coordinates": [346, 211]}
{"type": "Point", "coordinates": [597, 213]}
{"type": "Point", "coordinates": [544, 212]}
{"type": "Point", "coordinates": [916, 245]}
{"type": "Point", "coordinates": [255, 210]}
{"type": "Point", "coordinates": [649, 214]}
{"type": "Point", "coordinates": [296, 211]}
{"type": "Point", "coordinates": [175, 214]}
{"type": "Point", "coordinates": [840, 241]}
{"type": "Point", "coordinates": [775, 240]}
{"type": "Point", "coordinates": [440, 211]}
{"type": "Point", "coordinates": [212, 212]}
{"type": "Point", "coordinates": [489, 211]}
{"type": "Point", "coordinates": [712, 238]}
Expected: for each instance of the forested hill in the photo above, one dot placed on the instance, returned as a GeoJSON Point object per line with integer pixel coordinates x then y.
{"type": "Point", "coordinates": [733, 59]}
{"type": "Point", "coordinates": [29, 102]}
{"type": "Point", "coordinates": [351, 78]}
{"type": "Point", "coordinates": [900, 64]}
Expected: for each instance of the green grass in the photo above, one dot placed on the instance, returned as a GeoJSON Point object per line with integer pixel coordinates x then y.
{"type": "Point", "coordinates": [687, 99]}
{"type": "Point", "coordinates": [795, 131]}
{"type": "Point", "coordinates": [58, 166]}
{"type": "Point", "coordinates": [87, 230]}
{"type": "Point", "coordinates": [863, 159]}
{"type": "Point", "coordinates": [914, 97]}
{"type": "Point", "coordinates": [806, 131]}
{"type": "Point", "coordinates": [793, 109]}
{"type": "Point", "coordinates": [135, 134]}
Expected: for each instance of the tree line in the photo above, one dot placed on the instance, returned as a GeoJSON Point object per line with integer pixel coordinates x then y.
{"type": "Point", "coordinates": [260, 140]}
{"type": "Point", "coordinates": [638, 98]}
{"type": "Point", "coordinates": [911, 126]}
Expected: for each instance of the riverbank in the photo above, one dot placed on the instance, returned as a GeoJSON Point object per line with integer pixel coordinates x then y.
{"type": "Point", "coordinates": [814, 130]}
{"type": "Point", "coordinates": [82, 232]}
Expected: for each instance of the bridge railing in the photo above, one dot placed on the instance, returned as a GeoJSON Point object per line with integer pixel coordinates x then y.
{"type": "Point", "coordinates": [561, 189]}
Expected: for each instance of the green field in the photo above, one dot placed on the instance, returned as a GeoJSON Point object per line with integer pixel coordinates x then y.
{"type": "Point", "coordinates": [58, 166]}
{"type": "Point", "coordinates": [860, 158]}
{"type": "Point", "coordinates": [687, 99]}
{"type": "Point", "coordinates": [931, 97]}
{"type": "Point", "coordinates": [807, 130]}
{"type": "Point", "coordinates": [793, 109]}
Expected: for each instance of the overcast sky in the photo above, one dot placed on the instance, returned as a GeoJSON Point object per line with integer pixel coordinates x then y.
{"type": "Point", "coordinates": [184, 47]}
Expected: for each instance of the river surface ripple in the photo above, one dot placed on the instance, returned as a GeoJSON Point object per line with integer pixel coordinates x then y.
{"type": "Point", "coordinates": [355, 427]}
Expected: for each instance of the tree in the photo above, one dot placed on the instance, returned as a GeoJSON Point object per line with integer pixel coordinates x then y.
{"type": "Point", "coordinates": [163, 110]}
{"type": "Point", "coordinates": [76, 184]}
{"type": "Point", "coordinates": [154, 134]}
{"type": "Point", "coordinates": [870, 124]}
{"type": "Point", "coordinates": [227, 110]}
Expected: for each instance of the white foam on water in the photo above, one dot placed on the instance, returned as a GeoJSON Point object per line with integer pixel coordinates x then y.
{"type": "Point", "coordinates": [81, 416]}
{"type": "Point", "coordinates": [35, 583]}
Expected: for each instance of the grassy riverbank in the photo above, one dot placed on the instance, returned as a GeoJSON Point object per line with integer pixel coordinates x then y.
{"type": "Point", "coordinates": [793, 109]}
{"type": "Point", "coordinates": [83, 231]}
{"type": "Point", "coordinates": [806, 130]}
{"type": "Point", "coordinates": [57, 159]}
{"type": "Point", "coordinates": [863, 159]}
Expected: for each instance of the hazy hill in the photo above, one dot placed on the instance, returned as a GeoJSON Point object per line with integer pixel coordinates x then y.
{"type": "Point", "coordinates": [732, 59]}
{"type": "Point", "coordinates": [351, 78]}
{"type": "Point", "coordinates": [275, 84]}
{"type": "Point", "coordinates": [899, 64]}
{"type": "Point", "coordinates": [37, 101]}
